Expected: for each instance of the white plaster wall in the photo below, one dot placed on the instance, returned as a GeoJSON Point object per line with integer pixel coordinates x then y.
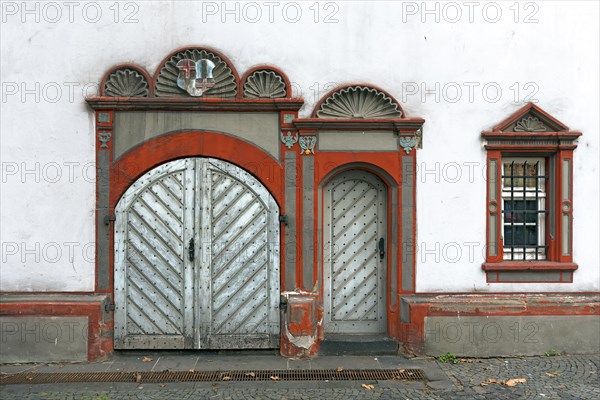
{"type": "Point", "coordinates": [382, 43]}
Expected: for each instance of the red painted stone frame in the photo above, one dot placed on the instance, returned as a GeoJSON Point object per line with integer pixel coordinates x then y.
{"type": "Point", "coordinates": [556, 144]}
{"type": "Point", "coordinates": [126, 169]}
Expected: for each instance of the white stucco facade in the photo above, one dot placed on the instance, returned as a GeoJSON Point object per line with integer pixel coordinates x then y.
{"type": "Point", "coordinates": [462, 75]}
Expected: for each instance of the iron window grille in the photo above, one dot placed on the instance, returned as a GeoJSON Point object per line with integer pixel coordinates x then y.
{"type": "Point", "coordinates": [524, 208]}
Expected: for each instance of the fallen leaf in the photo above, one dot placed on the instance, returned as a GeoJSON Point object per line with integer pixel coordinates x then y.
{"type": "Point", "coordinates": [138, 377]}
{"type": "Point", "coordinates": [191, 370]}
{"type": "Point", "coordinates": [252, 374]}
{"type": "Point", "coordinates": [367, 386]}
{"type": "Point", "coordinates": [513, 382]}
{"type": "Point", "coordinates": [552, 373]}
{"type": "Point", "coordinates": [401, 370]}
{"type": "Point", "coordinates": [226, 378]}
{"type": "Point", "coordinates": [162, 385]}
{"type": "Point", "coordinates": [275, 378]}
{"type": "Point", "coordinates": [146, 359]}
{"type": "Point", "coordinates": [29, 378]}
{"type": "Point", "coordinates": [340, 369]}
{"type": "Point", "coordinates": [489, 381]}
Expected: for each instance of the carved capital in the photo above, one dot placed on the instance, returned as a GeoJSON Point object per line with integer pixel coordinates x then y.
{"type": "Point", "coordinates": [289, 140]}
{"type": "Point", "coordinates": [307, 144]}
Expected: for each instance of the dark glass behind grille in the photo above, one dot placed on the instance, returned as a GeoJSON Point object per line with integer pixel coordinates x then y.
{"type": "Point", "coordinates": [521, 212]}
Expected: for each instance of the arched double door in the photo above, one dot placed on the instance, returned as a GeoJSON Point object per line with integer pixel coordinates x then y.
{"type": "Point", "coordinates": [196, 259]}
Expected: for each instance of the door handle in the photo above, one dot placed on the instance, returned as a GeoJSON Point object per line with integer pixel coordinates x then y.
{"type": "Point", "coordinates": [381, 246]}
{"type": "Point", "coordinates": [191, 249]}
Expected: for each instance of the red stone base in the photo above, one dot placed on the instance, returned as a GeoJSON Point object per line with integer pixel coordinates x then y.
{"type": "Point", "coordinates": [464, 322]}
{"type": "Point", "coordinates": [100, 321]}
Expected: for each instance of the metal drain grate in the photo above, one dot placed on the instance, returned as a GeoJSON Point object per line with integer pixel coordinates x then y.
{"type": "Point", "coordinates": [218, 376]}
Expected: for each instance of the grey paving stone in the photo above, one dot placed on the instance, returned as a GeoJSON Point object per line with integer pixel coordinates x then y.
{"type": "Point", "coordinates": [299, 364]}
{"type": "Point", "coordinates": [561, 377]}
{"type": "Point", "coordinates": [16, 368]}
{"type": "Point", "coordinates": [130, 364]}
{"type": "Point", "coordinates": [345, 362]}
{"type": "Point", "coordinates": [234, 362]}
{"type": "Point", "coordinates": [175, 363]}
{"type": "Point", "coordinates": [78, 367]}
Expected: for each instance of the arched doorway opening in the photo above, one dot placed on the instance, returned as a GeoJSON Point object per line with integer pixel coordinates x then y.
{"type": "Point", "coordinates": [196, 259]}
{"type": "Point", "coordinates": [355, 230]}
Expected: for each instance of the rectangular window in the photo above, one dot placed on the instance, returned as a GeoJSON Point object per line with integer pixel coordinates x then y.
{"type": "Point", "coordinates": [524, 208]}
{"type": "Point", "coordinates": [529, 202]}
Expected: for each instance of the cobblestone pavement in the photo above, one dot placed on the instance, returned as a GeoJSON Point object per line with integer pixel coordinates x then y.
{"type": "Point", "coordinates": [558, 377]}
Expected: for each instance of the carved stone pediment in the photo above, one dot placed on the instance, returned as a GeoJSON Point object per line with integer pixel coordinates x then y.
{"type": "Point", "coordinates": [359, 102]}
{"type": "Point", "coordinates": [218, 78]}
{"type": "Point", "coordinates": [264, 84]}
{"type": "Point", "coordinates": [531, 119]}
{"type": "Point", "coordinates": [189, 75]}
{"type": "Point", "coordinates": [530, 128]}
{"type": "Point", "coordinates": [126, 82]}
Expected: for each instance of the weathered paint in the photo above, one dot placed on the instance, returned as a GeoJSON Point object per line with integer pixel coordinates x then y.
{"type": "Point", "coordinates": [493, 336]}
{"type": "Point", "coordinates": [92, 307]}
{"type": "Point", "coordinates": [308, 221]}
{"type": "Point", "coordinates": [196, 259]}
{"type": "Point", "coordinates": [514, 309]}
{"type": "Point", "coordinates": [451, 140]}
{"type": "Point", "coordinates": [134, 127]}
{"type": "Point", "coordinates": [299, 338]}
{"type": "Point", "coordinates": [291, 248]}
{"type": "Point", "coordinates": [43, 339]}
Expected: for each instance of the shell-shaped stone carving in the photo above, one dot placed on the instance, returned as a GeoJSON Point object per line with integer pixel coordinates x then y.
{"type": "Point", "coordinates": [126, 82]}
{"type": "Point", "coordinates": [530, 124]}
{"type": "Point", "coordinates": [359, 102]}
{"type": "Point", "coordinates": [224, 79]}
{"type": "Point", "coordinates": [264, 84]}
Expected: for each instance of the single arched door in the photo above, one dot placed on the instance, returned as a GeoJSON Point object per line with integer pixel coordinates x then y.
{"type": "Point", "coordinates": [355, 242]}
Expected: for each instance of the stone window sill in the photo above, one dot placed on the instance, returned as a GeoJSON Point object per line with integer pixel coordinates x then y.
{"type": "Point", "coordinates": [529, 272]}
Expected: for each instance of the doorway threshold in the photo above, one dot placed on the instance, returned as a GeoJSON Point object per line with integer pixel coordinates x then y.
{"type": "Point", "coordinates": [358, 345]}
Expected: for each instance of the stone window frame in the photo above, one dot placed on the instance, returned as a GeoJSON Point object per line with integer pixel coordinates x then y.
{"type": "Point", "coordinates": [516, 192]}
{"type": "Point", "coordinates": [532, 133]}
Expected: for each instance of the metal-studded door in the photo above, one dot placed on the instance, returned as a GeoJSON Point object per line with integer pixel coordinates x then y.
{"type": "Point", "coordinates": [354, 232]}
{"type": "Point", "coordinates": [196, 259]}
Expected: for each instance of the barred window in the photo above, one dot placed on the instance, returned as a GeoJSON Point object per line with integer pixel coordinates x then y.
{"type": "Point", "coordinates": [529, 199]}
{"type": "Point", "coordinates": [524, 208]}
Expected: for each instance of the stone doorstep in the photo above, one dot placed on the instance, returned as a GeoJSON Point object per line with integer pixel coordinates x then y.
{"type": "Point", "coordinates": [366, 345]}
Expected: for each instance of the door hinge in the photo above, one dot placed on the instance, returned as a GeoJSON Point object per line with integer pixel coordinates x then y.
{"type": "Point", "coordinates": [109, 218]}
{"type": "Point", "coordinates": [109, 307]}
